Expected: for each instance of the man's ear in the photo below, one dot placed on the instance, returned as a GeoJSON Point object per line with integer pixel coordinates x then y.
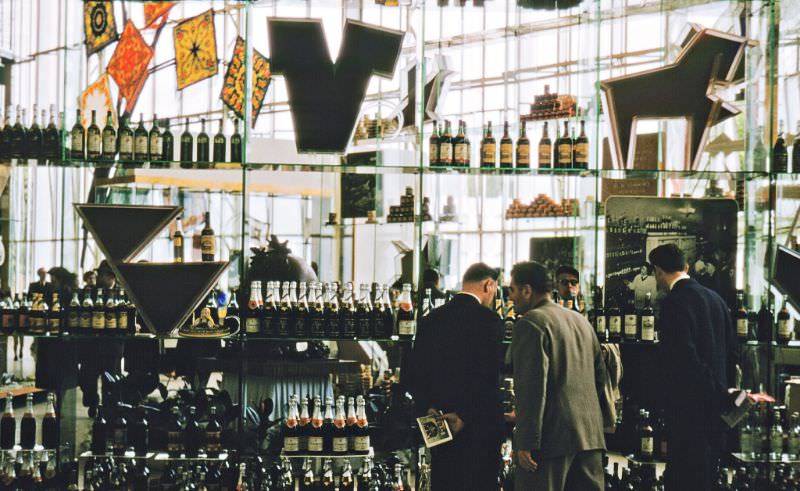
{"type": "Point", "coordinates": [686, 268]}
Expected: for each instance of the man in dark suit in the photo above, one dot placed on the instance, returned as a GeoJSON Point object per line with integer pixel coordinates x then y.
{"type": "Point", "coordinates": [698, 362]}
{"type": "Point", "coordinates": [559, 376]}
{"type": "Point", "coordinates": [42, 286]}
{"type": "Point", "coordinates": [455, 368]}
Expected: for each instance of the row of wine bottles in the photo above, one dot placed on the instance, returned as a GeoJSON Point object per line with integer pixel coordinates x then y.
{"type": "Point", "coordinates": [763, 437]}
{"type": "Point", "coordinates": [335, 434]}
{"type": "Point", "coordinates": [568, 152]}
{"type": "Point", "coordinates": [129, 431]}
{"type": "Point", "coordinates": [318, 310]}
{"type": "Point", "coordinates": [614, 324]}
{"type": "Point", "coordinates": [27, 425]}
{"type": "Point", "coordinates": [762, 326]}
{"type": "Point", "coordinates": [30, 470]}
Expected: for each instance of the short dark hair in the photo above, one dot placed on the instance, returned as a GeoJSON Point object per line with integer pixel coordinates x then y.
{"type": "Point", "coordinates": [430, 276]}
{"type": "Point", "coordinates": [567, 270]}
{"type": "Point", "coordinates": [479, 272]}
{"type": "Point", "coordinates": [534, 274]}
{"type": "Point", "coordinates": [668, 257]}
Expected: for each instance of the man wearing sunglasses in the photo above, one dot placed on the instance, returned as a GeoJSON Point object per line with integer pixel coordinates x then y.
{"type": "Point", "coordinates": [568, 282]}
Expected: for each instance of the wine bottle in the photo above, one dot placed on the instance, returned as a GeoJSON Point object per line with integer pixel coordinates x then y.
{"type": "Point", "coordinates": [433, 146]}
{"type": "Point", "coordinates": [291, 438]}
{"type": "Point", "coordinates": [50, 423]}
{"type": "Point", "coordinates": [362, 431]}
{"type": "Point", "coordinates": [141, 142]}
{"type": "Point", "coordinates": [645, 431]}
{"type": "Point", "coordinates": [5, 135]}
{"type": "Point", "coordinates": [488, 149]}
{"type": "Point", "coordinates": [192, 434]}
{"type": "Point", "coordinates": [461, 147]}
{"type": "Point", "coordinates": [155, 145]}
{"type": "Point", "coordinates": [765, 321]}
{"type": "Point", "coordinates": [34, 137]}
{"type": "Point", "coordinates": [99, 433]}
{"type": "Point", "coordinates": [406, 320]}
{"type": "Point", "coordinates": [741, 317]}
{"type": "Point", "coordinates": [333, 328]}
{"type": "Point", "coordinates": [350, 423]}
{"type": "Point", "coordinates": [77, 137]}
{"type": "Point", "coordinates": [506, 149]}
{"type": "Point", "coordinates": [780, 155]}
{"type": "Point", "coordinates": [94, 140]}
{"type": "Point", "coordinates": [125, 142]}
{"type": "Point", "coordinates": [796, 151]}
{"type": "Point", "coordinates": [285, 312]}
{"type": "Point", "coordinates": [52, 136]}
{"type": "Point", "coordinates": [339, 430]}
{"type": "Point", "coordinates": [121, 310]}
{"type": "Point", "coordinates": [564, 148]}
{"type": "Point", "coordinates": [85, 320]}
{"type": "Point", "coordinates": [219, 143]}
{"type": "Point", "coordinates": [365, 329]}
{"type": "Point", "coordinates": [177, 242]}
{"type": "Point", "coordinates": [236, 144]}
{"type": "Point", "coordinates": [316, 328]}
{"type": "Point", "coordinates": [545, 149]}
{"type": "Point", "coordinates": [615, 323]}
{"type": "Point", "coordinates": [187, 147]}
{"type": "Point", "coordinates": [175, 433]}
{"type": "Point", "coordinates": [348, 312]}
{"type": "Point", "coordinates": [167, 144]}
{"type": "Point", "coordinates": [597, 317]}
{"type": "Point", "coordinates": [303, 425]}
{"type": "Point", "coordinates": [327, 426]}
{"type": "Point", "coordinates": [581, 157]}
{"type": "Point", "coordinates": [8, 425]}
{"type": "Point", "coordinates": [254, 311]}
{"type": "Point", "coordinates": [647, 320]}
{"type": "Point", "coordinates": [213, 433]}
{"type": "Point", "coordinates": [446, 146]}
{"type": "Point", "coordinates": [301, 324]}
{"type": "Point", "coordinates": [785, 332]}
{"type": "Point", "coordinates": [384, 317]}
{"type": "Point", "coordinates": [139, 432]}
{"type": "Point", "coordinates": [316, 440]}
{"type": "Point", "coordinates": [27, 425]}
{"type": "Point", "coordinates": [271, 317]}
{"type": "Point", "coordinates": [202, 146]}
{"type": "Point", "coordinates": [631, 321]}
{"type": "Point", "coordinates": [208, 243]}
{"type": "Point", "coordinates": [110, 312]}
{"type": "Point", "coordinates": [109, 138]}
{"type": "Point", "coordinates": [119, 432]}
{"type": "Point", "coordinates": [18, 136]}
{"type": "Point", "coordinates": [523, 149]}
{"type": "Point", "coordinates": [98, 314]}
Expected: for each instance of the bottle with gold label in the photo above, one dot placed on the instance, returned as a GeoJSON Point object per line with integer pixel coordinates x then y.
{"type": "Point", "coordinates": [177, 242]}
{"type": "Point", "coordinates": [433, 146]}
{"type": "Point", "coordinates": [55, 317]}
{"type": "Point", "coordinates": [208, 243]}
{"type": "Point", "coordinates": [506, 149]}
{"type": "Point", "coordinates": [94, 140]}
{"type": "Point", "coordinates": [99, 314]}
{"type": "Point", "coordinates": [109, 149]}
{"type": "Point", "coordinates": [85, 319]}
{"type": "Point", "coordinates": [582, 149]}
{"type": "Point", "coordinates": [446, 146]}
{"type": "Point", "coordinates": [488, 149]}
{"type": "Point", "coordinates": [111, 314]}
{"type": "Point", "coordinates": [545, 149]}
{"type": "Point", "coordinates": [37, 315]}
{"type": "Point", "coordinates": [564, 149]}
{"type": "Point", "coordinates": [523, 148]}
{"type": "Point", "coordinates": [460, 148]}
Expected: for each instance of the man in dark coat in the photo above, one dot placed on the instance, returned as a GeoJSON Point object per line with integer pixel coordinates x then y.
{"type": "Point", "coordinates": [455, 368]}
{"type": "Point", "coordinates": [698, 349]}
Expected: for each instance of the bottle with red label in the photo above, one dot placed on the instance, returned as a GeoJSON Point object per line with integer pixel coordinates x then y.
{"type": "Point", "coordinates": [291, 435]}
{"type": "Point", "coordinates": [406, 319]}
{"type": "Point", "coordinates": [339, 431]}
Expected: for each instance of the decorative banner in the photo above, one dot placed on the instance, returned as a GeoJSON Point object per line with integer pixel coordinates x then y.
{"type": "Point", "coordinates": [155, 14]}
{"type": "Point", "coordinates": [128, 65]}
{"type": "Point", "coordinates": [683, 89]}
{"type": "Point", "coordinates": [99, 25]}
{"type": "Point", "coordinates": [233, 88]}
{"type": "Point", "coordinates": [195, 49]}
{"type": "Point", "coordinates": [97, 97]}
{"type": "Point", "coordinates": [325, 97]}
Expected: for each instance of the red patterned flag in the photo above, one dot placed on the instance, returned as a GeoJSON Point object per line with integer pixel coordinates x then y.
{"type": "Point", "coordinates": [99, 25]}
{"type": "Point", "coordinates": [233, 87]}
{"type": "Point", "coordinates": [195, 49]}
{"type": "Point", "coordinates": [155, 14]}
{"type": "Point", "coordinates": [128, 65]}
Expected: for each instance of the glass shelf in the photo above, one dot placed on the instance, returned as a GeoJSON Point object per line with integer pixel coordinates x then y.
{"type": "Point", "coordinates": [69, 337]}
{"type": "Point", "coordinates": [784, 459]}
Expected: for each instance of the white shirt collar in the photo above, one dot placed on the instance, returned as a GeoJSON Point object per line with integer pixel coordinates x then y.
{"type": "Point", "coordinates": [472, 295]}
{"type": "Point", "coordinates": [680, 277]}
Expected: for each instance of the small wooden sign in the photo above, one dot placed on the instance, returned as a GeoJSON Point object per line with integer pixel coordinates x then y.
{"type": "Point", "coordinates": [647, 153]}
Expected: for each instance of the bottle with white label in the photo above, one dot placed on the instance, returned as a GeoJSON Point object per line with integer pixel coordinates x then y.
{"type": "Point", "coordinates": [645, 437]}
{"type": "Point", "coordinates": [614, 324]}
{"type": "Point", "coordinates": [785, 331]}
{"type": "Point", "coordinates": [741, 317]}
{"type": "Point", "coordinates": [406, 318]}
{"type": "Point", "coordinates": [631, 321]}
{"type": "Point", "coordinates": [254, 311]}
{"type": "Point", "coordinates": [291, 435]}
{"type": "Point", "coordinates": [648, 321]}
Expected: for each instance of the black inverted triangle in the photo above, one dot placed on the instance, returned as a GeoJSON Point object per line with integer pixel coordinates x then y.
{"type": "Point", "coordinates": [122, 231]}
{"type": "Point", "coordinates": [165, 294]}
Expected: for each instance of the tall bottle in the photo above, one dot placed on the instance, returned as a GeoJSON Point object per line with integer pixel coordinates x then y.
{"type": "Point", "coordinates": [406, 319]}
{"type": "Point", "coordinates": [27, 426]}
{"type": "Point", "coordinates": [19, 136]}
{"type": "Point", "coordinates": [98, 313]}
{"type": "Point", "coordinates": [125, 141]}
{"type": "Point", "coordinates": [446, 146]}
{"type": "Point", "coordinates": [564, 149]}
{"type": "Point", "coordinates": [87, 305]}
{"type": "Point", "coordinates": [208, 243]}
{"type": "Point", "coordinates": [646, 442]}
{"type": "Point", "coordinates": [5, 136]}
{"type": "Point", "coordinates": [8, 425]}
{"type": "Point", "coordinates": [192, 434]}
{"type": "Point", "coordinates": [461, 147]}
{"type": "Point", "coordinates": [741, 318]}
{"type": "Point", "coordinates": [141, 142]}
{"type": "Point", "coordinates": [302, 311]}
{"type": "Point", "coordinates": [52, 136]}
{"type": "Point", "coordinates": [327, 426]}
{"type": "Point", "coordinates": [285, 313]}
{"type": "Point", "coordinates": [780, 155]}
{"type": "Point", "coordinates": [581, 160]}
{"type": "Point", "coordinates": [303, 424]}
{"type": "Point", "coordinates": [523, 153]}
{"type": "Point", "coordinates": [348, 312]}
{"type": "Point", "coordinates": [139, 432]}
{"type": "Point", "coordinates": [167, 143]}
{"type": "Point", "coordinates": [187, 147]}
{"type": "Point", "coordinates": [316, 439]}
{"type": "Point", "coordinates": [648, 321]}
{"type": "Point", "coordinates": [631, 320]}
{"type": "Point", "coordinates": [316, 328]}
{"type": "Point", "coordinates": [545, 149]}
{"type": "Point", "coordinates": [236, 144]}
{"type": "Point", "coordinates": [384, 318]}
{"type": "Point", "coordinates": [272, 313]}
{"type": "Point", "coordinates": [506, 149]}
{"type": "Point", "coordinates": [77, 137]}
{"type": "Point", "coordinates": [333, 326]}
{"type": "Point", "coordinates": [795, 167]}
{"type": "Point", "coordinates": [776, 436]}
{"type": "Point", "coordinates": [109, 138]}
{"type": "Point", "coordinates": [615, 323]}
{"type": "Point", "coordinates": [155, 144]}
{"type": "Point", "coordinates": [365, 328]}
{"type": "Point", "coordinates": [362, 432]}
{"type": "Point", "coordinates": [202, 146]}
{"type": "Point", "coordinates": [213, 433]}
{"type": "Point", "coordinates": [175, 433]}
{"type": "Point", "coordinates": [219, 143]}
{"type": "Point", "coordinates": [110, 312]}
{"type": "Point", "coordinates": [99, 433]}
{"type": "Point", "coordinates": [34, 137]}
{"type": "Point", "coordinates": [55, 318]}
{"type": "Point", "coordinates": [433, 146]}
{"type": "Point", "coordinates": [339, 444]}
{"type": "Point", "coordinates": [254, 311]}
{"type": "Point", "coordinates": [119, 432]}
{"type": "Point", "coordinates": [94, 140]}
{"type": "Point", "coordinates": [765, 321]}
{"type": "Point", "coordinates": [597, 317]}
{"type": "Point", "coordinates": [784, 330]}
{"type": "Point", "coordinates": [177, 242]}
{"type": "Point", "coordinates": [291, 437]}
{"type": "Point", "coordinates": [488, 149]}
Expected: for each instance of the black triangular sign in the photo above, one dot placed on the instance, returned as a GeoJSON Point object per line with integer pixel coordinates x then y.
{"type": "Point", "coordinates": [165, 294]}
{"type": "Point", "coordinates": [122, 231]}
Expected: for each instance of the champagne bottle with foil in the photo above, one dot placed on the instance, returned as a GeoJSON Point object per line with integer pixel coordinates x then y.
{"type": "Point", "coordinates": [254, 311]}
{"type": "Point", "coordinates": [406, 318]}
{"type": "Point", "coordinates": [35, 137]}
